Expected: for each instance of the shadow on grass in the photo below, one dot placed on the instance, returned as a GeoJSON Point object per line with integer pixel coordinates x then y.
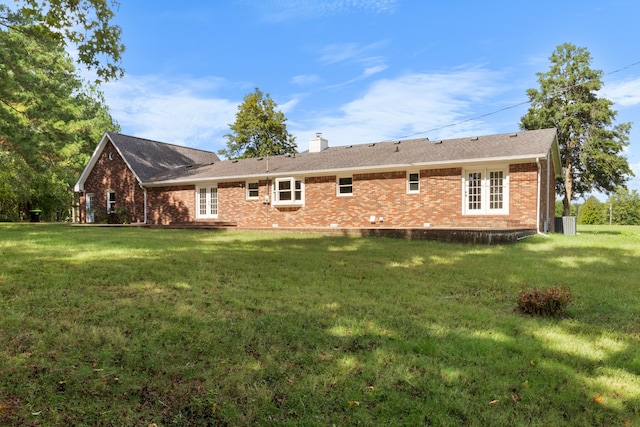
{"type": "Point", "coordinates": [202, 328]}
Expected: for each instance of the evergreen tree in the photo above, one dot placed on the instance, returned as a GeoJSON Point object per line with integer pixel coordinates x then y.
{"type": "Point", "coordinates": [592, 212]}
{"type": "Point", "coordinates": [591, 146]}
{"type": "Point", "coordinates": [259, 130]}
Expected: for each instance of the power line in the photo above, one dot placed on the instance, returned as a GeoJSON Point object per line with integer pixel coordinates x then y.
{"type": "Point", "coordinates": [505, 108]}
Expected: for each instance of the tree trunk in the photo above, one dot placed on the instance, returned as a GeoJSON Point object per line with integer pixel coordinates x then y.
{"type": "Point", "coordinates": [568, 190]}
{"type": "Point", "coordinates": [566, 203]}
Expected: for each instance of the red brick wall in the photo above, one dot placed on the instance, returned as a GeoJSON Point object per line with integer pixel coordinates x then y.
{"type": "Point", "coordinates": [523, 196]}
{"type": "Point", "coordinates": [382, 195]}
{"type": "Point", "coordinates": [171, 204]}
{"type": "Point", "coordinates": [112, 174]}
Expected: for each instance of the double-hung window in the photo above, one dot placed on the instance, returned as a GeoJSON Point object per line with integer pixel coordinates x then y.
{"type": "Point", "coordinates": [252, 190]}
{"type": "Point", "coordinates": [486, 191]}
{"type": "Point", "coordinates": [207, 202]}
{"type": "Point", "coordinates": [413, 182]}
{"type": "Point", "coordinates": [111, 202]}
{"type": "Point", "coordinates": [345, 186]}
{"type": "Point", "coordinates": [288, 191]}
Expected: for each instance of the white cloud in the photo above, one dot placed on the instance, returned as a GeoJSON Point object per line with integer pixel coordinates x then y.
{"type": "Point", "coordinates": [171, 111]}
{"type": "Point", "coordinates": [285, 10]}
{"type": "Point", "coordinates": [409, 105]}
{"type": "Point", "coordinates": [370, 71]}
{"type": "Point", "coordinates": [190, 112]}
{"type": "Point", "coordinates": [289, 105]}
{"type": "Point", "coordinates": [352, 52]}
{"type": "Point", "coordinates": [625, 93]}
{"type": "Point", "coordinates": [306, 79]}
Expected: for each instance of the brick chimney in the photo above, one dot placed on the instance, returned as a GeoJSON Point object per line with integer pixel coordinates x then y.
{"type": "Point", "coordinates": [318, 143]}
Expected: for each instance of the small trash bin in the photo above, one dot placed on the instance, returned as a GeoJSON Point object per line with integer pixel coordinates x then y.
{"type": "Point", "coordinates": [569, 225]}
{"type": "Point", "coordinates": [35, 215]}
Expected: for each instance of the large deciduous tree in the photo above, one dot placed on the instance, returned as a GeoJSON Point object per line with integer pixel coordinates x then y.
{"type": "Point", "coordinates": [85, 25]}
{"type": "Point", "coordinates": [49, 123]}
{"type": "Point", "coordinates": [625, 206]}
{"type": "Point", "coordinates": [259, 130]}
{"type": "Point", "coordinates": [591, 145]}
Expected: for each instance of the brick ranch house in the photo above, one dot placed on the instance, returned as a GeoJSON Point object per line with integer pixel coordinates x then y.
{"type": "Point", "coordinates": [504, 181]}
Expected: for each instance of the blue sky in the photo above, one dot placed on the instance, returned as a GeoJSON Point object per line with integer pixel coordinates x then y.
{"type": "Point", "coordinates": [361, 71]}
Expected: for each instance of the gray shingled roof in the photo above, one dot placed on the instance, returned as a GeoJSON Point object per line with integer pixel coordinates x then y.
{"type": "Point", "coordinates": [406, 153]}
{"type": "Point", "coordinates": [150, 158]}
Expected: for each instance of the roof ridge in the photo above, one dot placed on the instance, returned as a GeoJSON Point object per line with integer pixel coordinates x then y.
{"type": "Point", "coordinates": [161, 142]}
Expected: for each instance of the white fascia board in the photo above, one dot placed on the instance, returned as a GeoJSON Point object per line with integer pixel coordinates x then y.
{"type": "Point", "coordinates": [79, 186]}
{"type": "Point", "coordinates": [344, 171]}
{"type": "Point", "coordinates": [92, 162]}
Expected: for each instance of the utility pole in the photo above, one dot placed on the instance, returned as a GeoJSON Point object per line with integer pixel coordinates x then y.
{"type": "Point", "coordinates": [610, 213]}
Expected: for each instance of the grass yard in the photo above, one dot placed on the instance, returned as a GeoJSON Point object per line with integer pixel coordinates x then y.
{"type": "Point", "coordinates": [129, 327]}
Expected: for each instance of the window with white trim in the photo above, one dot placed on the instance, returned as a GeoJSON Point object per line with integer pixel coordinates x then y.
{"type": "Point", "coordinates": [207, 202]}
{"type": "Point", "coordinates": [345, 186]}
{"type": "Point", "coordinates": [111, 201]}
{"type": "Point", "coordinates": [413, 182]}
{"type": "Point", "coordinates": [288, 191]}
{"type": "Point", "coordinates": [486, 192]}
{"type": "Point", "coordinates": [252, 191]}
{"type": "Point", "coordinates": [496, 190]}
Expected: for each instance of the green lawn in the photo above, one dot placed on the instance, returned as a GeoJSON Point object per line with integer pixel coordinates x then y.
{"type": "Point", "coordinates": [128, 327]}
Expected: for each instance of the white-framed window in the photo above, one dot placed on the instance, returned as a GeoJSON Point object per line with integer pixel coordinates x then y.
{"type": "Point", "coordinates": [486, 191]}
{"type": "Point", "coordinates": [207, 201]}
{"type": "Point", "coordinates": [252, 190]}
{"type": "Point", "coordinates": [111, 201]}
{"type": "Point", "coordinates": [496, 190]}
{"type": "Point", "coordinates": [288, 191]}
{"type": "Point", "coordinates": [345, 186]}
{"type": "Point", "coordinates": [413, 182]}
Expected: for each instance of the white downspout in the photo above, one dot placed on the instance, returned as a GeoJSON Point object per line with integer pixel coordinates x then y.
{"type": "Point", "coordinates": [554, 189]}
{"type": "Point", "coordinates": [538, 202]}
{"type": "Point", "coordinates": [145, 204]}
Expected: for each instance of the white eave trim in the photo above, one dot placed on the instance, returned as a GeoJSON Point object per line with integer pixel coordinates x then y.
{"type": "Point", "coordinates": [79, 186]}
{"type": "Point", "coordinates": [92, 162]}
{"type": "Point", "coordinates": [338, 171]}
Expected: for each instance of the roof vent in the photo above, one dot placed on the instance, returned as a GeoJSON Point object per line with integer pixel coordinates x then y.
{"type": "Point", "coordinates": [234, 161]}
{"type": "Point", "coordinates": [475, 138]}
{"type": "Point", "coordinates": [372, 145]}
{"type": "Point", "coordinates": [397, 142]}
{"type": "Point", "coordinates": [397, 149]}
{"type": "Point", "coordinates": [513, 135]}
{"type": "Point", "coordinates": [437, 142]}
